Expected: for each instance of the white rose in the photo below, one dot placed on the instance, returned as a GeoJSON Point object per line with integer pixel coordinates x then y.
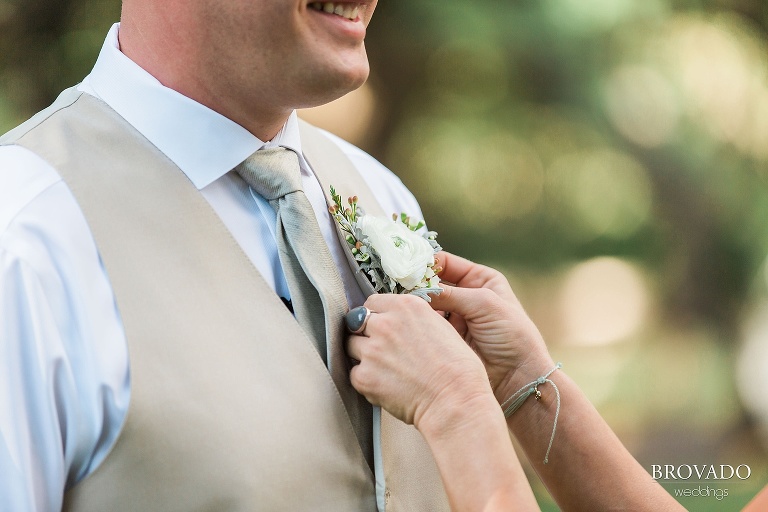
{"type": "Point", "coordinates": [405, 255]}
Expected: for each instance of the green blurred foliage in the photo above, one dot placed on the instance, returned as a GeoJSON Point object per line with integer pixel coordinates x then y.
{"type": "Point", "coordinates": [46, 46]}
{"type": "Point", "coordinates": [538, 134]}
{"type": "Point", "coordinates": [531, 102]}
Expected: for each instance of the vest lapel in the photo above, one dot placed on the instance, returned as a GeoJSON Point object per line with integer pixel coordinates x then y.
{"type": "Point", "coordinates": [332, 168]}
{"type": "Point", "coordinates": [407, 478]}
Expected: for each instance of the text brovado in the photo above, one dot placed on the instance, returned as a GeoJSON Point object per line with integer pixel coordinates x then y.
{"type": "Point", "coordinates": [700, 471]}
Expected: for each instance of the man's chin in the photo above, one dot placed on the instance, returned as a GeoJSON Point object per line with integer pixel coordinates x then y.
{"type": "Point", "coordinates": [328, 92]}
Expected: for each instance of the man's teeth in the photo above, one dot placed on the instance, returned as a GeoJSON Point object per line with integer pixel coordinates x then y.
{"type": "Point", "coordinates": [349, 11]}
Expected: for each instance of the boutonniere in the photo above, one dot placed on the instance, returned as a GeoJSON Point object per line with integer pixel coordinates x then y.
{"type": "Point", "coordinates": [391, 252]}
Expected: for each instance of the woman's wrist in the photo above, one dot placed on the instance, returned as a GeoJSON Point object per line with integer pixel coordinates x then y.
{"type": "Point", "coordinates": [470, 441]}
{"type": "Point", "coordinates": [457, 410]}
{"type": "Point", "coordinates": [527, 371]}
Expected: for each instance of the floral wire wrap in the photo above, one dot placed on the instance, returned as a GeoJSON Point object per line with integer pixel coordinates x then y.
{"type": "Point", "coordinates": [394, 256]}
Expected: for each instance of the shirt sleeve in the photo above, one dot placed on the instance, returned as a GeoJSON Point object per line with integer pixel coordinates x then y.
{"type": "Point", "coordinates": [64, 384]}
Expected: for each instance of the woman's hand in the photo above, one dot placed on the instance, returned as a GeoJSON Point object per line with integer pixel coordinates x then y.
{"type": "Point", "coordinates": [485, 311]}
{"type": "Point", "coordinates": [411, 358]}
{"type": "Point", "coordinates": [416, 366]}
{"type": "Point", "coordinates": [413, 363]}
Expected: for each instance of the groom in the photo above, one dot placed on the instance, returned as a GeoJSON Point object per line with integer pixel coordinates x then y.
{"type": "Point", "coordinates": [149, 362]}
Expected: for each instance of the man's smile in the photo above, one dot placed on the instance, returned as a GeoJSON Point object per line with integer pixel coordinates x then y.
{"type": "Point", "coordinates": [346, 10]}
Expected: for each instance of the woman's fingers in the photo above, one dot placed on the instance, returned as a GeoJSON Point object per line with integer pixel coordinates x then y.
{"type": "Point", "coordinates": [355, 346]}
{"type": "Point", "coordinates": [462, 271]}
{"type": "Point", "coordinates": [458, 323]}
{"type": "Point", "coordinates": [467, 274]}
{"type": "Point", "coordinates": [456, 270]}
{"type": "Point", "coordinates": [469, 303]}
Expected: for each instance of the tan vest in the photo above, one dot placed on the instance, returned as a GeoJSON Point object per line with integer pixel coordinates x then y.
{"type": "Point", "coordinates": [231, 407]}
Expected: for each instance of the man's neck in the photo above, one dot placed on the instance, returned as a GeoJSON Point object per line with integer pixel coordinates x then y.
{"type": "Point", "coordinates": [182, 74]}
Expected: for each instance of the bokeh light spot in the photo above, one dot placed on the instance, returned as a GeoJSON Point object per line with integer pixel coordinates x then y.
{"type": "Point", "coordinates": [584, 16]}
{"type": "Point", "coordinates": [722, 69]}
{"type": "Point", "coordinates": [603, 300]}
{"type": "Point", "coordinates": [476, 172]}
{"type": "Point", "coordinates": [642, 105]}
{"type": "Point", "coordinates": [751, 374]}
{"type": "Point", "coordinates": [600, 193]}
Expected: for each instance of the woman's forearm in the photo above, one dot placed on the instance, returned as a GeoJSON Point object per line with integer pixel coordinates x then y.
{"type": "Point", "coordinates": [588, 468]}
{"type": "Point", "coordinates": [477, 462]}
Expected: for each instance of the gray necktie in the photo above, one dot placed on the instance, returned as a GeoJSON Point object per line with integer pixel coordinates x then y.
{"type": "Point", "coordinates": [317, 291]}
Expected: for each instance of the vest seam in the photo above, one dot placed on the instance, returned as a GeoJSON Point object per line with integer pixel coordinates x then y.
{"type": "Point", "coordinates": [34, 126]}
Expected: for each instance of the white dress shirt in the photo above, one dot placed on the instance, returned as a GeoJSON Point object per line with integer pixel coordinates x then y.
{"type": "Point", "coordinates": [64, 375]}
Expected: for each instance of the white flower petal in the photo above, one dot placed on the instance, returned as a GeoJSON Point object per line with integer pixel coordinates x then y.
{"type": "Point", "coordinates": [405, 256]}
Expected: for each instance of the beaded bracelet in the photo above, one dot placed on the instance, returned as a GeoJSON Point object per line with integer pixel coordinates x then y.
{"type": "Point", "coordinates": [513, 403]}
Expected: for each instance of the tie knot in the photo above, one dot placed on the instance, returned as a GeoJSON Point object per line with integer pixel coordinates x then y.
{"type": "Point", "coordinates": [272, 173]}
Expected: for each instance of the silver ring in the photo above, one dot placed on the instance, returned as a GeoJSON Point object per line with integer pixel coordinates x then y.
{"type": "Point", "coordinates": [357, 319]}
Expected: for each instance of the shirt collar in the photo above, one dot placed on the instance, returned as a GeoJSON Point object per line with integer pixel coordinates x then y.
{"type": "Point", "coordinates": [204, 144]}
